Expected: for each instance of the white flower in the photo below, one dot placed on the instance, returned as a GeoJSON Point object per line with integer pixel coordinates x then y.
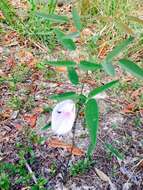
{"type": "Point", "coordinates": [63, 117]}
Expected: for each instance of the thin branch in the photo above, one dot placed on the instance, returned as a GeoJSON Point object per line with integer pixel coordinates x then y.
{"type": "Point", "coordinates": [31, 172]}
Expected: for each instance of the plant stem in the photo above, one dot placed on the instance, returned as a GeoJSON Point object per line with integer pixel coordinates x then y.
{"type": "Point", "coordinates": [65, 176]}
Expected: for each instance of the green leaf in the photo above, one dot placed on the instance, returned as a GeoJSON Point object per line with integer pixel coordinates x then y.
{"type": "Point", "coordinates": [76, 19]}
{"type": "Point", "coordinates": [108, 67]}
{"type": "Point", "coordinates": [72, 35]}
{"type": "Point", "coordinates": [72, 74]}
{"type": "Point", "coordinates": [47, 126]}
{"type": "Point", "coordinates": [124, 27]}
{"type": "Point", "coordinates": [118, 49]}
{"type": "Point", "coordinates": [47, 109]}
{"type": "Point", "coordinates": [40, 65]}
{"type": "Point", "coordinates": [131, 67]}
{"type": "Point", "coordinates": [92, 121]}
{"type": "Point", "coordinates": [82, 99]}
{"type": "Point", "coordinates": [68, 44]}
{"type": "Point", "coordinates": [59, 34]}
{"type": "Point", "coordinates": [65, 42]}
{"type": "Point", "coordinates": [64, 96]}
{"type": "Point", "coordinates": [102, 88]}
{"type": "Point", "coordinates": [114, 151]}
{"type": "Point", "coordinates": [88, 66]}
{"type": "Point", "coordinates": [65, 63]}
{"type": "Point", "coordinates": [53, 18]}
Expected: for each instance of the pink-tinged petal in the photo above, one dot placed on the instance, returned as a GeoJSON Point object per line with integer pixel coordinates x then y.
{"type": "Point", "coordinates": [63, 117]}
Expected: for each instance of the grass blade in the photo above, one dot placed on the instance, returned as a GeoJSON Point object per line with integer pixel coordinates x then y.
{"type": "Point", "coordinates": [114, 151]}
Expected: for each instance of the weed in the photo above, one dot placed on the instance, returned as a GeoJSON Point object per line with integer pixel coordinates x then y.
{"type": "Point", "coordinates": [32, 26]}
{"type": "Point", "coordinates": [49, 74]}
{"type": "Point", "coordinates": [29, 104]}
{"type": "Point", "coordinates": [138, 122]}
{"type": "Point", "coordinates": [20, 73]}
{"type": "Point", "coordinates": [4, 181]}
{"type": "Point", "coordinates": [17, 174]}
{"type": "Point", "coordinates": [9, 14]}
{"type": "Point", "coordinates": [81, 167]}
{"type": "Point", "coordinates": [92, 45]}
{"type": "Point", "coordinates": [112, 19]}
{"type": "Point", "coordinates": [15, 103]}
{"type": "Point", "coordinates": [53, 168]}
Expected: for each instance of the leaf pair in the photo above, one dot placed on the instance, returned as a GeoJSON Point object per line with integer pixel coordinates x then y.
{"type": "Point", "coordinates": [84, 65]}
{"type": "Point", "coordinates": [72, 74]}
{"type": "Point", "coordinates": [66, 40]}
{"type": "Point", "coordinates": [107, 63]}
{"type": "Point", "coordinates": [127, 65]}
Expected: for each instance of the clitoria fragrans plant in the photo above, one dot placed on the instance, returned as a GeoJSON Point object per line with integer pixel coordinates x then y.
{"type": "Point", "coordinates": [89, 103]}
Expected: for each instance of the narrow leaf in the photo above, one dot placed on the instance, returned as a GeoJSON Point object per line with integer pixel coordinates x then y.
{"type": "Point", "coordinates": [67, 43]}
{"type": "Point", "coordinates": [76, 19]}
{"type": "Point", "coordinates": [59, 34]}
{"type": "Point", "coordinates": [119, 48]}
{"type": "Point", "coordinates": [136, 19]}
{"type": "Point", "coordinates": [65, 63]}
{"type": "Point", "coordinates": [108, 67]}
{"type": "Point", "coordinates": [72, 74]}
{"type": "Point", "coordinates": [92, 121]}
{"type": "Point", "coordinates": [64, 96]}
{"type": "Point", "coordinates": [88, 66]}
{"type": "Point", "coordinates": [125, 27]}
{"type": "Point", "coordinates": [114, 151]}
{"type": "Point", "coordinates": [47, 126]}
{"type": "Point", "coordinates": [102, 88]}
{"type": "Point", "coordinates": [131, 67]}
{"type": "Point", "coordinates": [72, 35]}
{"type": "Point", "coordinates": [53, 18]}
